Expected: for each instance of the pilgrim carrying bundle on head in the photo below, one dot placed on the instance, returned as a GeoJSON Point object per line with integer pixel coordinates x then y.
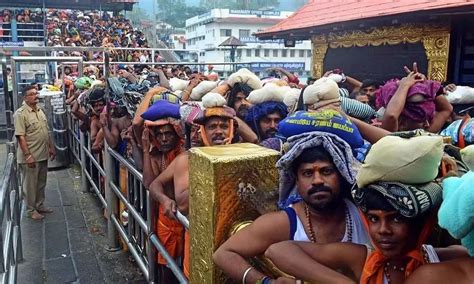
{"type": "Point", "coordinates": [245, 76]}
{"type": "Point", "coordinates": [395, 159]}
{"type": "Point", "coordinates": [201, 89]}
{"type": "Point", "coordinates": [291, 98]}
{"type": "Point", "coordinates": [321, 93]}
{"type": "Point", "coordinates": [161, 109]}
{"type": "Point", "coordinates": [456, 213]}
{"type": "Point", "coordinates": [269, 93]}
{"type": "Point", "coordinates": [213, 104]}
{"type": "Point", "coordinates": [409, 200]}
{"type": "Point", "coordinates": [177, 84]}
{"type": "Point", "coordinates": [327, 120]}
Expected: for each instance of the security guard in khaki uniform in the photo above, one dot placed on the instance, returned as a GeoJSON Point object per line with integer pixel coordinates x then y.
{"type": "Point", "coordinates": [34, 146]}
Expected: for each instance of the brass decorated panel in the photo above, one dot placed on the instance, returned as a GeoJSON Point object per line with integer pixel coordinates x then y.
{"type": "Point", "coordinates": [435, 39]}
{"type": "Point", "coordinates": [228, 184]}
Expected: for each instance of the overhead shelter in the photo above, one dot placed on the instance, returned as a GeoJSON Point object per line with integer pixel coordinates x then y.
{"type": "Point", "coordinates": [371, 38]}
{"type": "Point", "coordinates": [105, 5]}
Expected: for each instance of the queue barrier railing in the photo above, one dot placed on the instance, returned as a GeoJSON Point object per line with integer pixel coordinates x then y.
{"type": "Point", "coordinates": [10, 213]}
{"type": "Point", "coordinates": [138, 233]}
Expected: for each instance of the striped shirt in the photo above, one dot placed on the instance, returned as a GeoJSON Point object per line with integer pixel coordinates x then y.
{"type": "Point", "coordinates": [357, 109]}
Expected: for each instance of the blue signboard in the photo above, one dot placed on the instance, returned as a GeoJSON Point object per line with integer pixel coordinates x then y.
{"type": "Point", "coordinates": [262, 66]}
{"type": "Point", "coordinates": [12, 43]}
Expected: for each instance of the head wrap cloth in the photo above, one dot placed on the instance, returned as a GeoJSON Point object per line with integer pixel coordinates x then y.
{"type": "Point", "coordinates": [419, 111]}
{"type": "Point", "coordinates": [337, 148]}
{"type": "Point", "coordinates": [409, 200]}
{"type": "Point", "coordinates": [162, 113]}
{"type": "Point", "coordinates": [258, 111]}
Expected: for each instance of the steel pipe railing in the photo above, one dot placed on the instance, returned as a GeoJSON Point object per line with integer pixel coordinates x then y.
{"type": "Point", "coordinates": [10, 232]}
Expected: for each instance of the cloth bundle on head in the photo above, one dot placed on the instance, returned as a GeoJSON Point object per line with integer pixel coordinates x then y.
{"type": "Point", "coordinates": [338, 149]}
{"type": "Point", "coordinates": [420, 103]}
{"type": "Point", "coordinates": [191, 111]}
{"type": "Point", "coordinates": [291, 99]}
{"type": "Point", "coordinates": [245, 76]}
{"type": "Point", "coordinates": [461, 95]}
{"type": "Point", "coordinates": [467, 155]}
{"type": "Point", "coordinates": [456, 213]}
{"type": "Point", "coordinates": [269, 93]}
{"type": "Point", "coordinates": [321, 93]}
{"type": "Point", "coordinates": [411, 161]}
{"type": "Point", "coordinates": [201, 89]}
{"type": "Point", "coordinates": [167, 96]}
{"type": "Point", "coordinates": [326, 120]}
{"type": "Point", "coordinates": [161, 109]}
{"type": "Point", "coordinates": [94, 70]}
{"type": "Point", "coordinates": [83, 83]}
{"type": "Point", "coordinates": [214, 105]}
{"type": "Point", "coordinates": [162, 113]}
{"type": "Point", "coordinates": [409, 200]}
{"type": "Point", "coordinates": [96, 94]}
{"type": "Point", "coordinates": [178, 84]}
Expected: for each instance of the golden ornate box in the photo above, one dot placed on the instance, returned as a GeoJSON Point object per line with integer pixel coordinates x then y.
{"type": "Point", "coordinates": [228, 184]}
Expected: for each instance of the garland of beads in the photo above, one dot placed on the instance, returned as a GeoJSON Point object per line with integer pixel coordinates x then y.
{"type": "Point", "coordinates": [312, 236]}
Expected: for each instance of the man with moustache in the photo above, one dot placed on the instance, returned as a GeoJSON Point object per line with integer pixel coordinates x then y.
{"type": "Point", "coordinates": [162, 142]}
{"type": "Point", "coordinates": [217, 128]}
{"type": "Point", "coordinates": [34, 147]}
{"type": "Point", "coordinates": [315, 177]}
{"type": "Point", "coordinates": [267, 110]}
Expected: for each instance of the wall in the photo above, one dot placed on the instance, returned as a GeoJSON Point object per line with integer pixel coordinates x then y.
{"type": "Point", "coordinates": [376, 62]}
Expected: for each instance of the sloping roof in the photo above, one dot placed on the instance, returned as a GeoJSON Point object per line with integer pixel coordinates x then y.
{"type": "Point", "coordinates": [232, 41]}
{"type": "Point", "coordinates": [324, 12]}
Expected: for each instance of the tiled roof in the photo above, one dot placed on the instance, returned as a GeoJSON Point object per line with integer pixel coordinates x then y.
{"type": "Point", "coordinates": [323, 12]}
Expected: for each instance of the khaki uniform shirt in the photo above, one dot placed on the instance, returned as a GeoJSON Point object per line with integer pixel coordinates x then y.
{"type": "Point", "coordinates": [33, 125]}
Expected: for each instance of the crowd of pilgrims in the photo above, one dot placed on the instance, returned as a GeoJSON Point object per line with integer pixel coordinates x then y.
{"type": "Point", "coordinates": [376, 180]}
{"type": "Point", "coordinates": [97, 29]}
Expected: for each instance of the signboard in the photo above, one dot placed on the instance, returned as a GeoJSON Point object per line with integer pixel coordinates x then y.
{"type": "Point", "coordinates": [254, 12]}
{"type": "Point", "coordinates": [12, 43]}
{"type": "Point", "coordinates": [262, 66]}
{"type": "Point", "coordinates": [252, 39]}
{"type": "Point", "coordinates": [57, 102]}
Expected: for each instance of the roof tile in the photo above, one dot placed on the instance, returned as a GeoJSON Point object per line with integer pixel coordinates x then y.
{"type": "Point", "coordinates": [323, 12]}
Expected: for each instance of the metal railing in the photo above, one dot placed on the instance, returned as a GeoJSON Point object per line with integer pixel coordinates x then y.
{"type": "Point", "coordinates": [10, 212]}
{"type": "Point", "coordinates": [139, 234]}
{"type": "Point", "coordinates": [100, 174]}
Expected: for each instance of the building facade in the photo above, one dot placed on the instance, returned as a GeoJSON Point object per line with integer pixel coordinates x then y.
{"type": "Point", "coordinates": [205, 32]}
